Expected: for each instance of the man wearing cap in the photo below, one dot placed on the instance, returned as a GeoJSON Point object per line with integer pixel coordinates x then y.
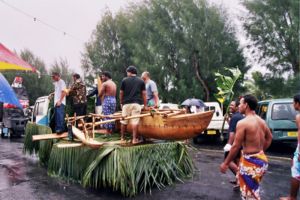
{"type": "Point", "coordinates": [59, 102]}
{"type": "Point", "coordinates": [132, 96]}
{"type": "Point", "coordinates": [151, 89]}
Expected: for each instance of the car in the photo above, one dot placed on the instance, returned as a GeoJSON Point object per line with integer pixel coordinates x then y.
{"type": "Point", "coordinates": [279, 115]}
{"type": "Point", "coordinates": [40, 113]}
{"type": "Point", "coordinates": [214, 129]}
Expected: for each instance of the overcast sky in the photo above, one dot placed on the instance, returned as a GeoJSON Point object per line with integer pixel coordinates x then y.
{"type": "Point", "coordinates": [75, 17]}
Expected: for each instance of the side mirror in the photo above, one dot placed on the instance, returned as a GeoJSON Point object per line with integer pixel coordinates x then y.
{"type": "Point", "coordinates": [218, 114]}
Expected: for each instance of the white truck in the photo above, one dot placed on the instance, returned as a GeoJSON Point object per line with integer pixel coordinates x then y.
{"type": "Point", "coordinates": [214, 129]}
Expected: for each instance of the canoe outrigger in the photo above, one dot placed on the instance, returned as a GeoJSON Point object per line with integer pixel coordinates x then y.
{"type": "Point", "coordinates": [161, 124]}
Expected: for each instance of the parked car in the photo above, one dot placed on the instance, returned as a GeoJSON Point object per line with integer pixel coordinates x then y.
{"type": "Point", "coordinates": [214, 129]}
{"type": "Point", "coordinates": [40, 113]}
{"type": "Point", "coordinates": [279, 115]}
{"type": "Point", "coordinates": [168, 106]}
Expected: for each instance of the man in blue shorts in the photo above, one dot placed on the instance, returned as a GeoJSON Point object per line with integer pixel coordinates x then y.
{"type": "Point", "coordinates": [295, 181]}
{"type": "Point", "coordinates": [108, 94]}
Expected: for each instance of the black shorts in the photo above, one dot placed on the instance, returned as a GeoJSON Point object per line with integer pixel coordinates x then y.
{"type": "Point", "coordinates": [237, 156]}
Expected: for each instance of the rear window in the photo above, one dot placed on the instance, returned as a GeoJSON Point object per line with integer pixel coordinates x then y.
{"type": "Point", "coordinates": [283, 111]}
{"type": "Point", "coordinates": [207, 108]}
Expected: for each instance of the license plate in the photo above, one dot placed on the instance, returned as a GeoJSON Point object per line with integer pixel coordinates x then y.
{"type": "Point", "coordinates": [293, 134]}
{"type": "Point", "coordinates": [211, 132]}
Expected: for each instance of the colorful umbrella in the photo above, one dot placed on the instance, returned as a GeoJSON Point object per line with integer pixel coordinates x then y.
{"type": "Point", "coordinates": [10, 61]}
{"type": "Point", "coordinates": [7, 95]}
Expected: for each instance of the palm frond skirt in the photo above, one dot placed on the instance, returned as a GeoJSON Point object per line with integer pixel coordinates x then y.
{"type": "Point", "coordinates": [126, 169]}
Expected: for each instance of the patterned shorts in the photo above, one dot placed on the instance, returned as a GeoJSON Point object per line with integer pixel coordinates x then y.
{"type": "Point", "coordinates": [296, 165]}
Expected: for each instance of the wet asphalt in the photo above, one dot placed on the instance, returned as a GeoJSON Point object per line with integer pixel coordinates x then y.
{"type": "Point", "coordinates": [21, 177]}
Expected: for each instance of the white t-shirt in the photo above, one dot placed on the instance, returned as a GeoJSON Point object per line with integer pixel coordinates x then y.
{"type": "Point", "coordinates": [59, 86]}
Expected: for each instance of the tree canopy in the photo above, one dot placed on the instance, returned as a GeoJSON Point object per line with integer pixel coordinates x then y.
{"type": "Point", "coordinates": [273, 26]}
{"type": "Point", "coordinates": [181, 43]}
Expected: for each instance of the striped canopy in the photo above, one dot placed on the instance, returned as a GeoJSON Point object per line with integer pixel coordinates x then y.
{"type": "Point", "coordinates": [10, 61]}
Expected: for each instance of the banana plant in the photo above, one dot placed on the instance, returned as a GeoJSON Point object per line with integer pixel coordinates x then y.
{"type": "Point", "coordinates": [225, 85]}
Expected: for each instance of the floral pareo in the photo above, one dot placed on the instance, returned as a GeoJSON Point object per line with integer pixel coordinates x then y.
{"type": "Point", "coordinates": [251, 170]}
{"type": "Point", "coordinates": [109, 107]}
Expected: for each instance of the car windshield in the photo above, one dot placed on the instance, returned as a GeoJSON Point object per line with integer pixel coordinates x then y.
{"type": "Point", "coordinates": [283, 111]}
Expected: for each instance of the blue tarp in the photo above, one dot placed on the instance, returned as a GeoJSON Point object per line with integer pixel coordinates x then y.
{"type": "Point", "coordinates": [7, 94]}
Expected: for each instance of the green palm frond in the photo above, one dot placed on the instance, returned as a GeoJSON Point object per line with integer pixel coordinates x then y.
{"type": "Point", "coordinates": [33, 147]}
{"type": "Point", "coordinates": [30, 147]}
{"type": "Point", "coordinates": [42, 148]}
{"type": "Point", "coordinates": [129, 170]}
{"type": "Point", "coordinates": [45, 150]}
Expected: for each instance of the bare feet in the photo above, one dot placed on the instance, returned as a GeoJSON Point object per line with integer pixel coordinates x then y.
{"type": "Point", "coordinates": [123, 141]}
{"type": "Point", "coordinates": [136, 141]}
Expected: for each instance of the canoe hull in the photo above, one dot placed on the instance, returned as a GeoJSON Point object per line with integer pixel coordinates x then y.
{"type": "Point", "coordinates": [179, 127]}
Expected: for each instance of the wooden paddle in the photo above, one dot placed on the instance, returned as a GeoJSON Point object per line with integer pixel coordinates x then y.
{"type": "Point", "coordinates": [49, 136]}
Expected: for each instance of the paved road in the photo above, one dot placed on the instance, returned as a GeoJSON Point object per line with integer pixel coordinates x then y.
{"type": "Point", "coordinates": [23, 178]}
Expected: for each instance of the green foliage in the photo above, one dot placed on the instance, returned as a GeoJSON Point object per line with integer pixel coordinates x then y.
{"type": "Point", "coordinates": [65, 162]}
{"type": "Point", "coordinates": [129, 170]}
{"type": "Point", "coordinates": [181, 43]}
{"type": "Point", "coordinates": [269, 86]}
{"type": "Point", "coordinates": [225, 86]}
{"type": "Point", "coordinates": [273, 26]}
{"type": "Point", "coordinates": [45, 150]}
{"type": "Point", "coordinates": [30, 146]}
{"type": "Point", "coordinates": [42, 148]}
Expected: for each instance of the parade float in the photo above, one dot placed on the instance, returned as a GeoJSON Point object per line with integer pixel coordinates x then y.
{"type": "Point", "coordinates": [97, 160]}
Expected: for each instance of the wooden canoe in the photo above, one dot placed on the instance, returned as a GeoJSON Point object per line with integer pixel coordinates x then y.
{"type": "Point", "coordinates": [176, 127]}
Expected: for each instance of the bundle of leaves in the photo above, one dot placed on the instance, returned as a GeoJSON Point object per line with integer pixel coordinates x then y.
{"type": "Point", "coordinates": [129, 170]}
{"type": "Point", "coordinates": [42, 148]}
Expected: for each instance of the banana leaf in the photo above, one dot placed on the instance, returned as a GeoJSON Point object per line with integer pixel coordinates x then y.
{"type": "Point", "coordinates": [225, 86]}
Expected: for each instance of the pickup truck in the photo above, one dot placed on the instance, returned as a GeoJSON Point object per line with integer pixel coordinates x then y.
{"type": "Point", "coordinates": [214, 129]}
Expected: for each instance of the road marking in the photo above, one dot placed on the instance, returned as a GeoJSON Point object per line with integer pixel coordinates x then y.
{"type": "Point", "coordinates": [270, 157]}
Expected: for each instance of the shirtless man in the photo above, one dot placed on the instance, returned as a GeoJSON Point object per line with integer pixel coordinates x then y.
{"type": "Point", "coordinates": [295, 180]}
{"type": "Point", "coordinates": [108, 94]}
{"type": "Point", "coordinates": [255, 137]}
